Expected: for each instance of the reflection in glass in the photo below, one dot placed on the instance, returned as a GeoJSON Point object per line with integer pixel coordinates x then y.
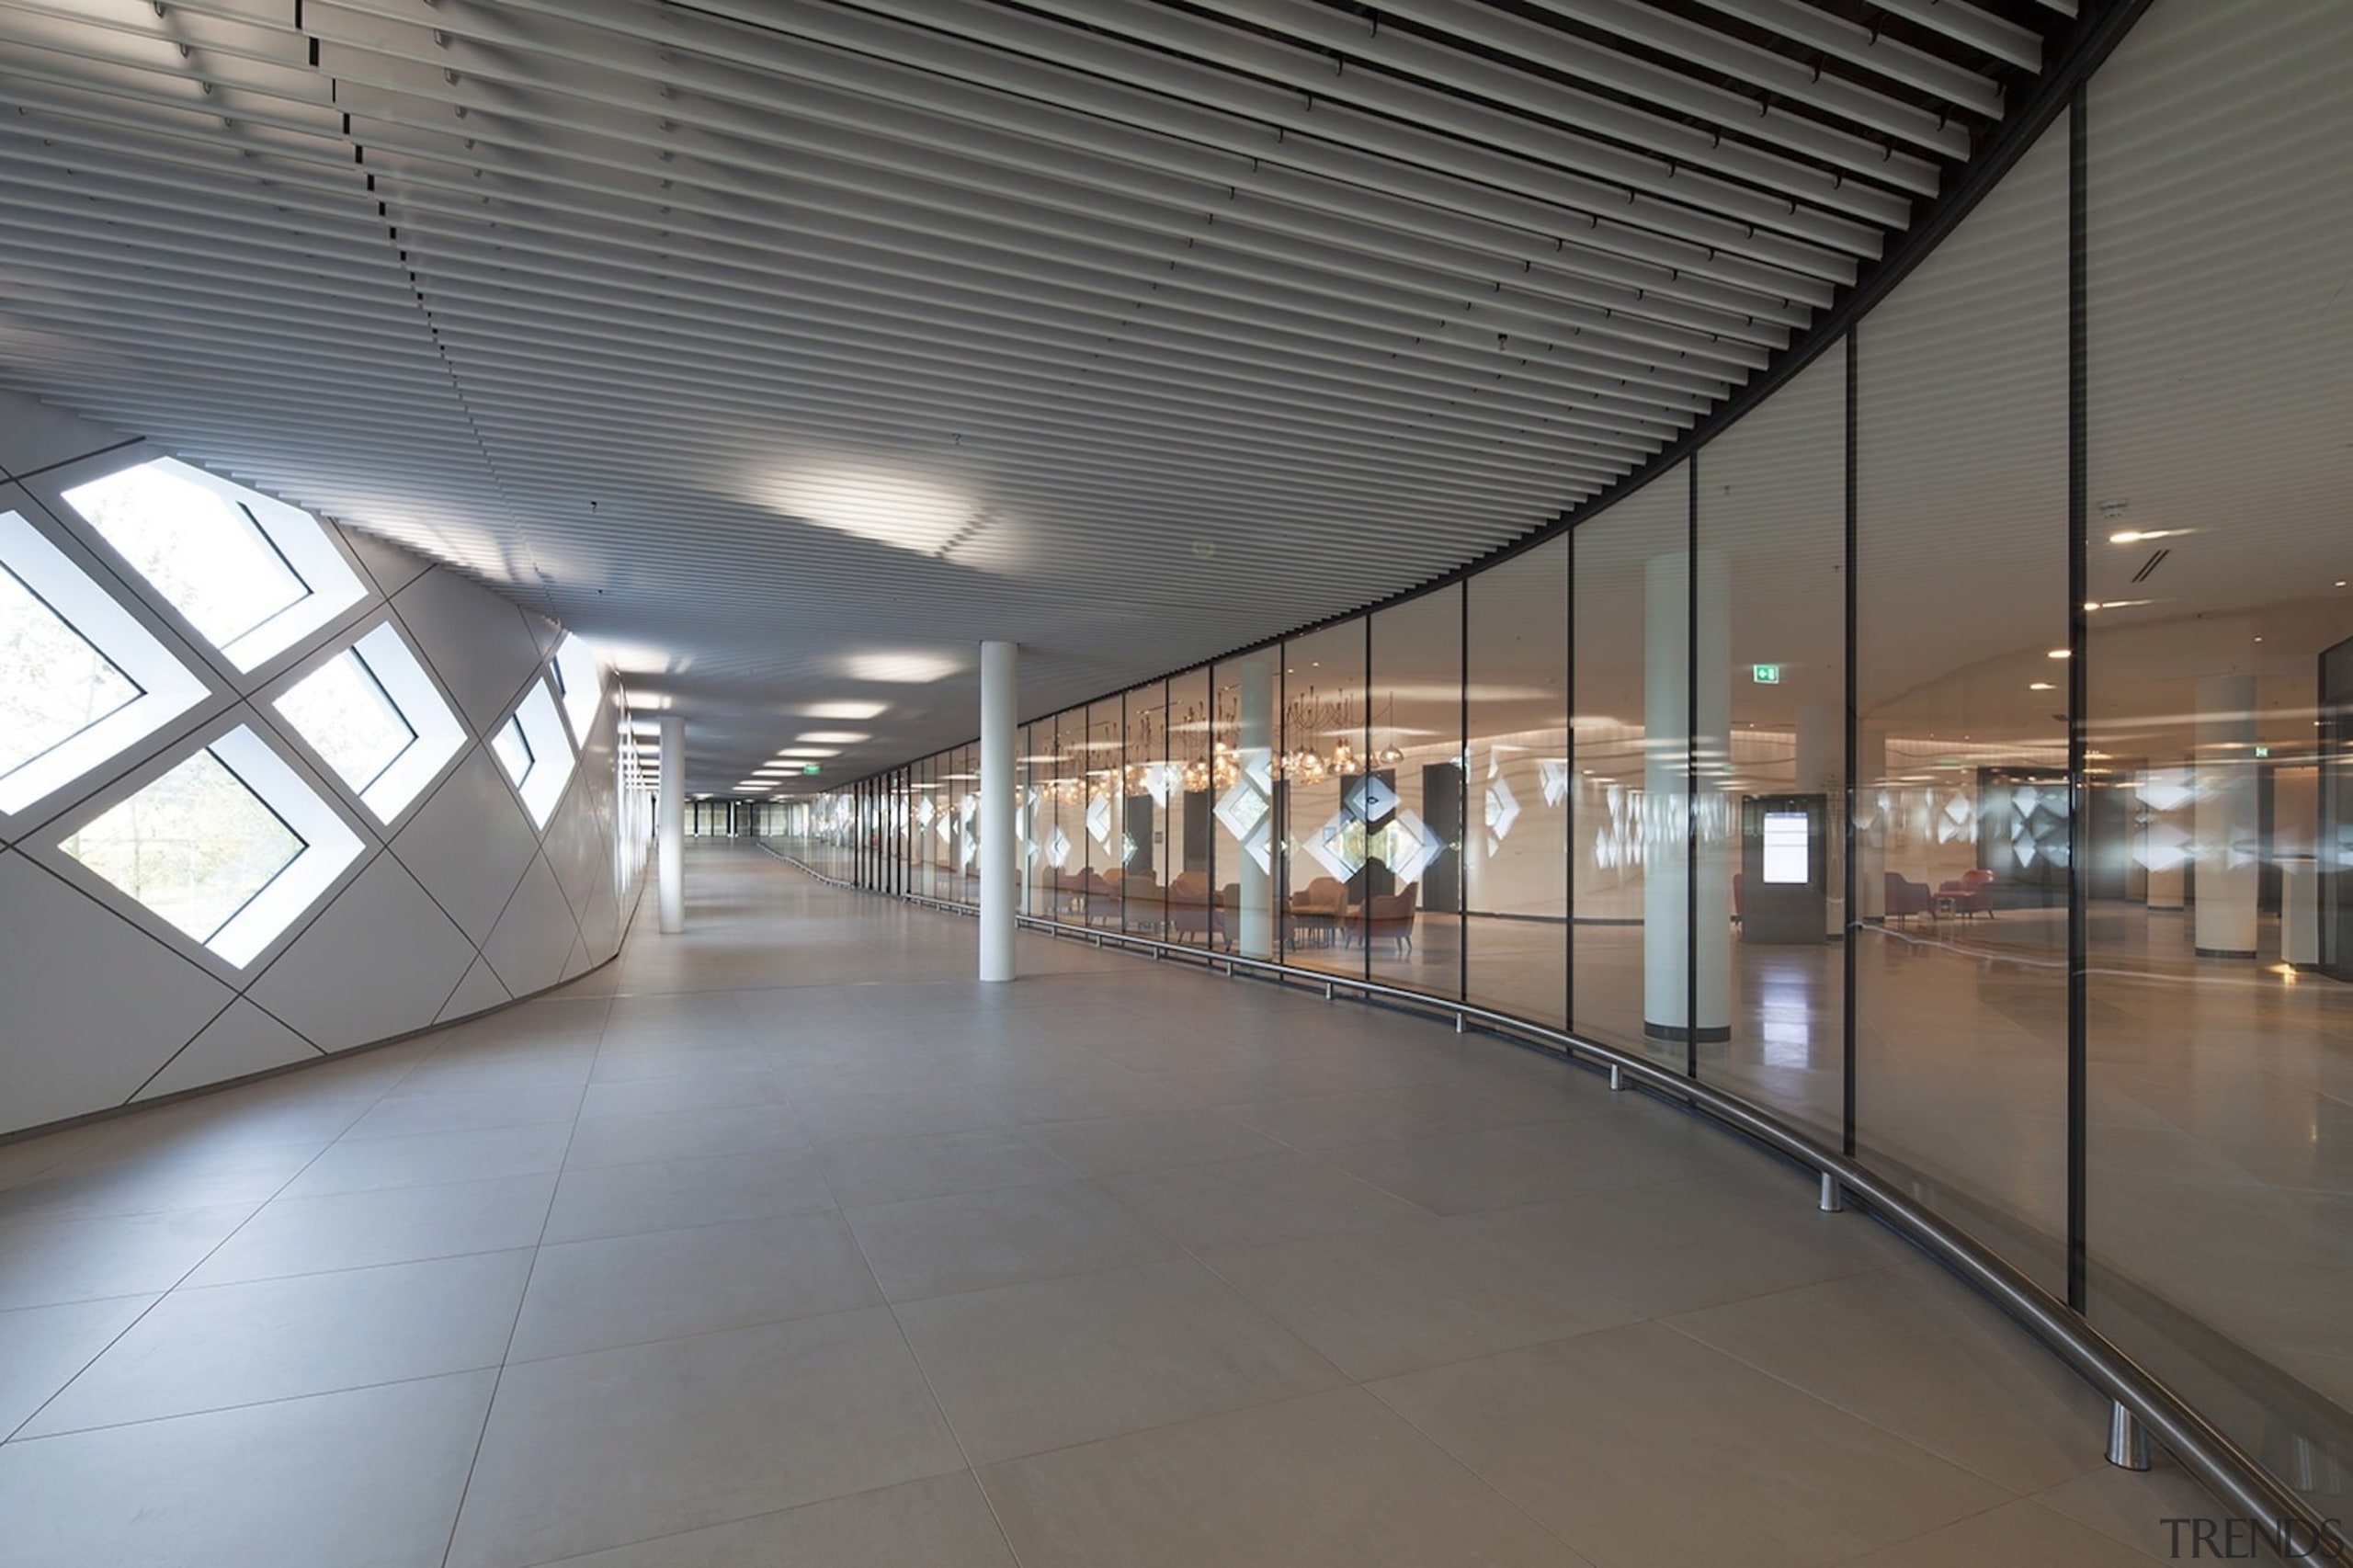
{"type": "Point", "coordinates": [1515, 840]}
{"type": "Point", "coordinates": [1324, 797]}
{"type": "Point", "coordinates": [1406, 913]}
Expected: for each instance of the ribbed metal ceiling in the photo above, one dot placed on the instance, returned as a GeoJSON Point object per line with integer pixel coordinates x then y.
{"type": "Point", "coordinates": [787, 348]}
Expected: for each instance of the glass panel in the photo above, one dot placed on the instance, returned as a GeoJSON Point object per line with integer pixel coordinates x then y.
{"type": "Point", "coordinates": [1627, 902]}
{"type": "Point", "coordinates": [1325, 842]}
{"type": "Point", "coordinates": [581, 682]}
{"type": "Point", "coordinates": [1407, 914]}
{"type": "Point", "coordinates": [1244, 737]}
{"type": "Point", "coordinates": [1100, 752]}
{"type": "Point", "coordinates": [53, 685]}
{"type": "Point", "coordinates": [195, 846]}
{"type": "Point", "coordinates": [1198, 908]}
{"type": "Point", "coordinates": [204, 552]}
{"type": "Point", "coordinates": [1144, 790]}
{"type": "Point", "coordinates": [2220, 1142]}
{"type": "Point", "coordinates": [513, 753]}
{"type": "Point", "coordinates": [1962, 455]}
{"type": "Point", "coordinates": [1772, 495]}
{"type": "Point", "coordinates": [1515, 843]}
{"type": "Point", "coordinates": [1062, 825]}
{"type": "Point", "coordinates": [344, 713]}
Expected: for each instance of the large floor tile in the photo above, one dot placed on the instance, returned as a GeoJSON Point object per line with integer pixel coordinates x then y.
{"type": "Point", "coordinates": [365, 1479]}
{"type": "Point", "coordinates": [1028, 1368]}
{"type": "Point", "coordinates": [593, 1295]}
{"type": "Point", "coordinates": [1418, 1294]}
{"type": "Point", "coordinates": [47, 1345]}
{"type": "Point", "coordinates": [898, 1113]}
{"type": "Point", "coordinates": [112, 1255]}
{"type": "Point", "coordinates": [615, 1200]}
{"type": "Point", "coordinates": [970, 1241]}
{"type": "Point", "coordinates": [889, 1170]}
{"type": "Point", "coordinates": [619, 1446]}
{"type": "Point", "coordinates": [1118, 1144]}
{"type": "Point", "coordinates": [230, 1345]}
{"type": "Point", "coordinates": [682, 1136]}
{"type": "Point", "coordinates": [1644, 1449]}
{"type": "Point", "coordinates": [685, 1091]}
{"type": "Point", "coordinates": [422, 1159]}
{"type": "Point", "coordinates": [149, 1179]}
{"type": "Point", "coordinates": [1272, 1198]}
{"type": "Point", "coordinates": [2140, 1509]}
{"type": "Point", "coordinates": [941, 1522]}
{"type": "Point", "coordinates": [1915, 1357]}
{"type": "Point", "coordinates": [396, 1224]}
{"type": "Point", "coordinates": [454, 1110]}
{"type": "Point", "coordinates": [1328, 1480]}
{"type": "Point", "coordinates": [2023, 1534]}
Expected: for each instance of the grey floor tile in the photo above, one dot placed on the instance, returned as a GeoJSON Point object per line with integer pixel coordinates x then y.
{"type": "Point", "coordinates": [394, 1224]}
{"type": "Point", "coordinates": [614, 1200]}
{"type": "Point", "coordinates": [365, 1479]}
{"type": "Point", "coordinates": [454, 1110]}
{"type": "Point", "coordinates": [941, 1522]}
{"type": "Point", "coordinates": [2023, 1534]}
{"type": "Point", "coordinates": [898, 1113]}
{"type": "Point", "coordinates": [147, 1180]}
{"type": "Point", "coordinates": [1026, 1367]}
{"type": "Point", "coordinates": [1639, 1446]}
{"type": "Point", "coordinates": [1329, 1481]}
{"type": "Point", "coordinates": [424, 1159]}
{"type": "Point", "coordinates": [682, 1136]}
{"type": "Point", "coordinates": [47, 1345]}
{"type": "Point", "coordinates": [1420, 1294]}
{"type": "Point", "coordinates": [891, 1170]}
{"type": "Point", "coordinates": [686, 1091]}
{"type": "Point", "coordinates": [1272, 1198]}
{"type": "Point", "coordinates": [230, 1345]}
{"type": "Point", "coordinates": [619, 1446]}
{"type": "Point", "coordinates": [1116, 1144]}
{"type": "Point", "coordinates": [1918, 1358]}
{"type": "Point", "coordinates": [594, 1295]}
{"type": "Point", "coordinates": [111, 1255]}
{"type": "Point", "coordinates": [2139, 1509]}
{"type": "Point", "coordinates": [970, 1241]}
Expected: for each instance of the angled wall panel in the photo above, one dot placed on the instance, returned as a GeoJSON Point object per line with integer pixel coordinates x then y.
{"type": "Point", "coordinates": [470, 845]}
{"type": "Point", "coordinates": [94, 1005]}
{"type": "Point", "coordinates": [477, 642]}
{"type": "Point", "coordinates": [382, 960]}
{"type": "Point", "coordinates": [391, 566]}
{"type": "Point", "coordinates": [480, 991]}
{"type": "Point", "coordinates": [528, 950]}
{"type": "Point", "coordinates": [243, 1040]}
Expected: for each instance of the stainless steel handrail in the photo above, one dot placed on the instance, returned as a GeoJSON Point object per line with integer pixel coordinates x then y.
{"type": "Point", "coordinates": [2240, 1480]}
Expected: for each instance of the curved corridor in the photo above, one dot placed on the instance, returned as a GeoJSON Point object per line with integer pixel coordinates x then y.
{"type": "Point", "coordinates": [784, 1241]}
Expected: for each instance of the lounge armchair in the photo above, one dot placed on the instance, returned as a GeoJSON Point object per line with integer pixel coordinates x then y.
{"type": "Point", "coordinates": [1317, 908]}
{"type": "Point", "coordinates": [1907, 898]}
{"type": "Point", "coordinates": [1972, 895]}
{"type": "Point", "coordinates": [1385, 915]}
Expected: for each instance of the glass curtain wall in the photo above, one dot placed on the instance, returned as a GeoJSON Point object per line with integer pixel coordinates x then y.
{"type": "Point", "coordinates": [2091, 704]}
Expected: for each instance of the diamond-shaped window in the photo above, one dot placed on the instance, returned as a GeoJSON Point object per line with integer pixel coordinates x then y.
{"type": "Point", "coordinates": [373, 715]}
{"type": "Point", "coordinates": [254, 576]}
{"type": "Point", "coordinates": [531, 746]}
{"type": "Point", "coordinates": [80, 679]}
{"type": "Point", "coordinates": [229, 846]}
{"type": "Point", "coordinates": [581, 680]}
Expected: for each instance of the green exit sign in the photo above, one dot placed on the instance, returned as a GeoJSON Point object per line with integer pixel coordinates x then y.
{"type": "Point", "coordinates": [1765, 674]}
{"type": "Point", "coordinates": [809, 767]}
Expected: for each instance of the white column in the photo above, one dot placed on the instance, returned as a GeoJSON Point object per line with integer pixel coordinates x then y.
{"type": "Point", "coordinates": [670, 826]}
{"type": "Point", "coordinates": [2228, 836]}
{"type": "Point", "coordinates": [1000, 894]}
{"type": "Point", "coordinates": [1668, 742]}
{"type": "Point", "coordinates": [2165, 842]}
{"type": "Point", "coordinates": [1256, 757]}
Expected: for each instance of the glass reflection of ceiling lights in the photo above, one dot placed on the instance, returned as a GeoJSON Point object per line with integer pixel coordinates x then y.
{"type": "Point", "coordinates": [81, 680]}
{"type": "Point", "coordinates": [375, 718]}
{"type": "Point", "coordinates": [254, 576]}
{"type": "Point", "coordinates": [229, 847]}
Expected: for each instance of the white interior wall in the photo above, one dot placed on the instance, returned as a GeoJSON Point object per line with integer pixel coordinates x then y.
{"type": "Point", "coordinates": [458, 905]}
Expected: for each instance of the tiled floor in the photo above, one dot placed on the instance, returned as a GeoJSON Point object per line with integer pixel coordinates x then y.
{"type": "Point", "coordinates": [784, 1242]}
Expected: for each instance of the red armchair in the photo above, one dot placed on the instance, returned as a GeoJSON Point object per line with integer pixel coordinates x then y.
{"type": "Point", "coordinates": [1972, 895]}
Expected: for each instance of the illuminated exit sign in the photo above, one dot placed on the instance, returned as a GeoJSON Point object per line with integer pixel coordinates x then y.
{"type": "Point", "coordinates": [809, 768]}
{"type": "Point", "coordinates": [1765, 674]}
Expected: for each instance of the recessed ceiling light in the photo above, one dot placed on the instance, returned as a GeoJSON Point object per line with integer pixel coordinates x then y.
{"type": "Point", "coordinates": [2062, 653]}
{"type": "Point", "coordinates": [835, 737]}
{"type": "Point", "coordinates": [2138, 535]}
{"type": "Point", "coordinates": [2041, 686]}
{"type": "Point", "coordinates": [808, 751]}
{"type": "Point", "coordinates": [843, 709]}
{"type": "Point", "coordinates": [901, 669]}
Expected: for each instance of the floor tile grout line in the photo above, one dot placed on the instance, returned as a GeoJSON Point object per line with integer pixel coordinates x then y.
{"type": "Point", "coordinates": [522, 1298]}
{"type": "Point", "coordinates": [1470, 1470]}
{"type": "Point", "coordinates": [273, 1400]}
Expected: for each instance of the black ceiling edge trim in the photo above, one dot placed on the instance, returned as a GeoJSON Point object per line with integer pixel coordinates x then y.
{"type": "Point", "coordinates": [2086, 48]}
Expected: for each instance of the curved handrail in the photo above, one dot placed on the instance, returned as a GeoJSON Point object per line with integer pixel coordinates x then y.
{"type": "Point", "coordinates": [2239, 1479]}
